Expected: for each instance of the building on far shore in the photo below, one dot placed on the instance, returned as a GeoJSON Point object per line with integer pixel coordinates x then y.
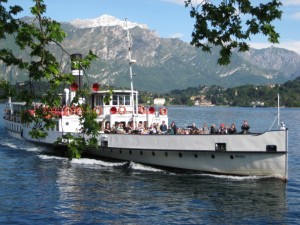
{"type": "Point", "coordinates": [159, 101]}
{"type": "Point", "coordinates": [200, 100]}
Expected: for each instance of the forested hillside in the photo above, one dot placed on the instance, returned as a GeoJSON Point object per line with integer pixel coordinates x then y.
{"type": "Point", "coordinates": [248, 95]}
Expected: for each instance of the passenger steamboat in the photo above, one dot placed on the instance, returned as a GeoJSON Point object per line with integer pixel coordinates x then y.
{"type": "Point", "coordinates": [256, 154]}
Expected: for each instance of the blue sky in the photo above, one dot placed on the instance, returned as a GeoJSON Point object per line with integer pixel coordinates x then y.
{"type": "Point", "coordinates": [169, 18]}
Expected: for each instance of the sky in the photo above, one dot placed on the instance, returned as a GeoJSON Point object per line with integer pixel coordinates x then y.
{"type": "Point", "coordinates": [169, 18]}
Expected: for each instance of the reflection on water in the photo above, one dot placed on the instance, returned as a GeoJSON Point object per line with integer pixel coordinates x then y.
{"type": "Point", "coordinates": [127, 195]}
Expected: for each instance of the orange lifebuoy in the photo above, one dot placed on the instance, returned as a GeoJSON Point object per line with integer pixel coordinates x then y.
{"type": "Point", "coordinates": [163, 111]}
{"type": "Point", "coordinates": [31, 112]}
{"type": "Point", "coordinates": [67, 111]}
{"type": "Point", "coordinates": [98, 110]}
{"type": "Point", "coordinates": [122, 110]}
{"type": "Point", "coordinates": [141, 109]}
{"type": "Point", "coordinates": [79, 111]}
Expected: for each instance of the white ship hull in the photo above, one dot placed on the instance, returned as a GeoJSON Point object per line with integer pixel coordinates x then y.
{"type": "Point", "coordinates": [244, 155]}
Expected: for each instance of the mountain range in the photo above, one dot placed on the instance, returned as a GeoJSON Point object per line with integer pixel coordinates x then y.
{"type": "Point", "coordinates": [162, 64]}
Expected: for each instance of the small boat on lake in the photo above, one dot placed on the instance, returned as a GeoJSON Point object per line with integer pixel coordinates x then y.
{"type": "Point", "coordinates": [130, 131]}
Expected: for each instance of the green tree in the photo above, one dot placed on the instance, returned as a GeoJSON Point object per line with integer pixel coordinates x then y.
{"type": "Point", "coordinates": [231, 23]}
{"type": "Point", "coordinates": [37, 38]}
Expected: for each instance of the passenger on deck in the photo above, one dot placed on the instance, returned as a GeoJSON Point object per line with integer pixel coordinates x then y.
{"type": "Point", "coordinates": [152, 129]}
{"type": "Point", "coordinates": [163, 127]}
{"type": "Point", "coordinates": [193, 128]}
{"type": "Point", "coordinates": [222, 129]}
{"type": "Point", "coordinates": [245, 127]}
{"type": "Point", "coordinates": [113, 129]}
{"type": "Point", "coordinates": [158, 128]}
{"type": "Point", "coordinates": [107, 128]}
{"type": "Point", "coordinates": [232, 129]}
{"type": "Point", "coordinates": [140, 127]}
{"type": "Point", "coordinates": [213, 129]}
{"type": "Point", "coordinates": [120, 128]}
{"type": "Point", "coordinates": [205, 129]}
{"type": "Point", "coordinates": [173, 128]}
{"type": "Point", "coordinates": [128, 128]}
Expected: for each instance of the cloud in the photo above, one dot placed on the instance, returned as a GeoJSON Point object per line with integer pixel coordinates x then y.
{"type": "Point", "coordinates": [289, 45]}
{"type": "Point", "coordinates": [177, 35]}
{"type": "Point", "coordinates": [290, 2]}
{"type": "Point", "coordinates": [296, 16]}
{"type": "Point", "coordinates": [180, 2]}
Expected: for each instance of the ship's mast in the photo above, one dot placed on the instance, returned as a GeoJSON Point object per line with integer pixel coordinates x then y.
{"type": "Point", "coordinates": [278, 111]}
{"type": "Point", "coordinates": [131, 61]}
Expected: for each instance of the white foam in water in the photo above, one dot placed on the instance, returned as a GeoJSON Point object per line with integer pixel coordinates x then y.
{"type": "Point", "coordinates": [33, 149]}
{"type": "Point", "coordinates": [9, 145]}
{"type": "Point", "coordinates": [50, 157]}
{"type": "Point", "coordinates": [231, 177]}
{"type": "Point", "coordinates": [30, 148]}
{"type": "Point", "coordinates": [86, 161]}
{"type": "Point", "coordinates": [137, 166]}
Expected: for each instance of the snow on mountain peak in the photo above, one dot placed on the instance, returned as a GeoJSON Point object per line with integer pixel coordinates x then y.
{"type": "Point", "coordinates": [104, 21]}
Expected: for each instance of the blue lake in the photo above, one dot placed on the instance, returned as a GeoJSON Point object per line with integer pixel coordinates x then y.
{"type": "Point", "coordinates": [38, 188]}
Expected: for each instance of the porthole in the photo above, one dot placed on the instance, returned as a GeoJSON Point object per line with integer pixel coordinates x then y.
{"type": "Point", "coordinates": [130, 152]}
{"type": "Point", "coordinates": [231, 157]}
{"type": "Point", "coordinates": [212, 156]}
{"type": "Point", "coordinates": [141, 152]}
{"type": "Point", "coordinates": [120, 151]}
{"type": "Point", "coordinates": [196, 156]}
{"type": "Point", "coordinates": [180, 155]}
{"type": "Point", "coordinates": [166, 154]}
{"type": "Point", "coordinates": [153, 153]}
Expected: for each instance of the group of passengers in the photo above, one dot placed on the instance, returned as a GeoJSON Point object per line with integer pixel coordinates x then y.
{"type": "Point", "coordinates": [221, 130]}
{"type": "Point", "coordinates": [156, 128]}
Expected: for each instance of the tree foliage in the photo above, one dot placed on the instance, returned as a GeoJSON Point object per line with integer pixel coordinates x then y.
{"type": "Point", "coordinates": [231, 24]}
{"type": "Point", "coordinates": [247, 95]}
{"type": "Point", "coordinates": [37, 38]}
{"type": "Point", "coordinates": [221, 25]}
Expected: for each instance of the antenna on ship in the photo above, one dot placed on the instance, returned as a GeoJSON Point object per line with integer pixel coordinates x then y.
{"type": "Point", "coordinates": [280, 125]}
{"type": "Point", "coordinates": [278, 111]}
{"type": "Point", "coordinates": [131, 61]}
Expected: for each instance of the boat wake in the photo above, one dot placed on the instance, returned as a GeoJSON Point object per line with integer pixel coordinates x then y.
{"type": "Point", "coordinates": [51, 157]}
{"type": "Point", "coordinates": [141, 167]}
{"type": "Point", "coordinates": [234, 178]}
{"type": "Point", "coordinates": [10, 145]}
{"type": "Point", "coordinates": [21, 146]}
{"type": "Point", "coordinates": [87, 161]}
{"type": "Point", "coordinates": [137, 167]}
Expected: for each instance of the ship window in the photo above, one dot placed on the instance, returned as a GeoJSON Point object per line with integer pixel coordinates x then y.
{"type": "Point", "coordinates": [115, 99]}
{"type": "Point", "coordinates": [121, 100]}
{"type": "Point", "coordinates": [98, 100]}
{"type": "Point", "coordinates": [220, 146]}
{"type": "Point", "coordinates": [271, 148]}
{"type": "Point", "coordinates": [127, 99]}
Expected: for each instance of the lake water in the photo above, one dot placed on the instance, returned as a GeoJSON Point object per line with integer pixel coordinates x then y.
{"type": "Point", "coordinates": [37, 188]}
